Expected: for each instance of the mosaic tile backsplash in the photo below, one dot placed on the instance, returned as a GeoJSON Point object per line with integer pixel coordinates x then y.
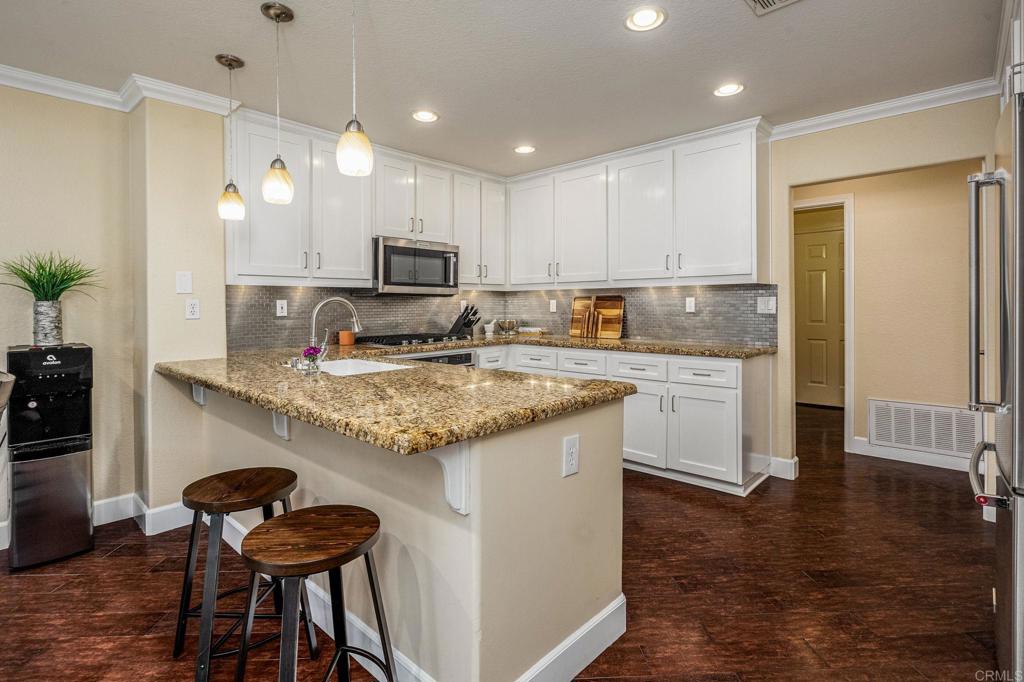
{"type": "Point", "coordinates": [724, 313]}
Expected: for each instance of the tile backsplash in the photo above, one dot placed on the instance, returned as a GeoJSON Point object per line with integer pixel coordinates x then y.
{"type": "Point", "coordinates": [724, 313]}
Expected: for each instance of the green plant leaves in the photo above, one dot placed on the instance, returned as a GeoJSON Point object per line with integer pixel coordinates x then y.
{"type": "Point", "coordinates": [48, 276]}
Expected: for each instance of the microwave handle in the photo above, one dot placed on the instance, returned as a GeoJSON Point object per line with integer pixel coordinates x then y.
{"type": "Point", "coordinates": [453, 259]}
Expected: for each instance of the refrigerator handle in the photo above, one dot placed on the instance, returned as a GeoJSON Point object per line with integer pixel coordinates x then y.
{"type": "Point", "coordinates": [980, 496]}
{"type": "Point", "coordinates": [975, 184]}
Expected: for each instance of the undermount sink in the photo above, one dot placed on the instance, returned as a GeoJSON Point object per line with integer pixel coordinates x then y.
{"type": "Point", "coordinates": [351, 367]}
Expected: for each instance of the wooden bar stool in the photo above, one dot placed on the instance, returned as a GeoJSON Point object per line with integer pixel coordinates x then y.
{"type": "Point", "coordinates": [307, 541]}
{"type": "Point", "coordinates": [217, 496]}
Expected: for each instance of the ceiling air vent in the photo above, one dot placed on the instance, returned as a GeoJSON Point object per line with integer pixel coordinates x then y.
{"type": "Point", "coordinates": [763, 7]}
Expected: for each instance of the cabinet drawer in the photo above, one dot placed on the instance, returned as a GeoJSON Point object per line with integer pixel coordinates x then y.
{"type": "Point", "coordinates": [491, 358]}
{"type": "Point", "coordinates": [703, 372]}
{"type": "Point", "coordinates": [541, 358]}
{"type": "Point", "coordinates": [637, 366]}
{"type": "Point", "coordinates": [586, 363]}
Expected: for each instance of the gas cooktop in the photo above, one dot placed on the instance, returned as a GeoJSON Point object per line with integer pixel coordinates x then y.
{"type": "Point", "coordinates": [410, 339]}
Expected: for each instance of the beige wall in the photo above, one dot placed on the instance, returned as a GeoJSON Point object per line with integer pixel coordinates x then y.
{"type": "Point", "coordinates": [933, 136]}
{"type": "Point", "coordinates": [910, 285]}
{"type": "Point", "coordinates": [65, 170]}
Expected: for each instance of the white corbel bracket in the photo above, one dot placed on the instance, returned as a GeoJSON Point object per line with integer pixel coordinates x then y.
{"type": "Point", "coordinates": [199, 394]}
{"type": "Point", "coordinates": [282, 426]}
{"type": "Point", "coordinates": [455, 465]}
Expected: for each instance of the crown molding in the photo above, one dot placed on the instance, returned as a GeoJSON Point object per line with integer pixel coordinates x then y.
{"type": "Point", "coordinates": [137, 87]}
{"type": "Point", "coordinates": [58, 87]}
{"type": "Point", "coordinates": [893, 107]}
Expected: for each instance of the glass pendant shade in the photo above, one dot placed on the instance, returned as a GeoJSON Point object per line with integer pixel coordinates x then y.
{"type": "Point", "coordinates": [230, 205]}
{"type": "Point", "coordinates": [278, 187]}
{"type": "Point", "coordinates": [354, 153]}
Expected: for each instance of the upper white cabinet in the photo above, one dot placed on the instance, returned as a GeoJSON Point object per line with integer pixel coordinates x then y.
{"type": "Point", "coordinates": [715, 204]}
{"type": "Point", "coordinates": [640, 216]}
{"type": "Point", "coordinates": [342, 227]}
{"type": "Point", "coordinates": [433, 204]}
{"type": "Point", "coordinates": [273, 239]}
{"type": "Point", "coordinates": [396, 197]}
{"type": "Point", "coordinates": [494, 236]}
{"type": "Point", "coordinates": [531, 231]}
{"type": "Point", "coordinates": [581, 225]}
{"type": "Point", "coordinates": [466, 227]}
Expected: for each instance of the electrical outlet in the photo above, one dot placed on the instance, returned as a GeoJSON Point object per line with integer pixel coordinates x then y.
{"type": "Point", "coordinates": [691, 304]}
{"type": "Point", "coordinates": [183, 282]}
{"type": "Point", "coordinates": [282, 307]}
{"type": "Point", "coordinates": [571, 455]}
{"type": "Point", "coordinates": [191, 308]}
{"type": "Point", "coordinates": [552, 305]}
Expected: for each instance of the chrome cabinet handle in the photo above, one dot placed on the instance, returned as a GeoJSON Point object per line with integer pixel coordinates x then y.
{"type": "Point", "coordinates": [317, 260]}
{"type": "Point", "coordinates": [668, 261]}
{"type": "Point", "coordinates": [661, 403]}
{"type": "Point", "coordinates": [421, 225]}
{"type": "Point", "coordinates": [581, 364]}
{"type": "Point", "coordinates": [673, 403]}
{"type": "Point", "coordinates": [638, 369]}
{"type": "Point", "coordinates": [485, 272]}
{"type": "Point", "coordinates": [305, 260]}
{"type": "Point", "coordinates": [701, 374]}
{"type": "Point", "coordinates": [412, 224]}
{"type": "Point", "coordinates": [477, 269]}
{"type": "Point", "coordinates": [679, 261]}
{"type": "Point", "coordinates": [975, 184]}
{"type": "Point", "coordinates": [980, 496]}
{"type": "Point", "coordinates": [549, 269]}
{"type": "Point", "coordinates": [558, 269]}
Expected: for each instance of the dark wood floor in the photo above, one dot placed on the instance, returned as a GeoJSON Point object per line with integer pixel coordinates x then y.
{"type": "Point", "coordinates": [862, 569]}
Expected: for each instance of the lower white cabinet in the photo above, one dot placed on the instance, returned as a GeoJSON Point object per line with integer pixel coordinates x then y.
{"type": "Point", "coordinates": [491, 358]}
{"type": "Point", "coordinates": [645, 424]}
{"type": "Point", "coordinates": [704, 432]}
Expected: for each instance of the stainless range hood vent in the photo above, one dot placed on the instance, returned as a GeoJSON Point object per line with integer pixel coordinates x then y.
{"type": "Point", "coordinates": [763, 7]}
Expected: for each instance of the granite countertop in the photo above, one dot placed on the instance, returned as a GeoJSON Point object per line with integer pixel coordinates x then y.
{"type": "Point", "coordinates": [411, 410]}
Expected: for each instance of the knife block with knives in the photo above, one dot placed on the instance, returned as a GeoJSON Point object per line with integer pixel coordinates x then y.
{"type": "Point", "coordinates": [464, 323]}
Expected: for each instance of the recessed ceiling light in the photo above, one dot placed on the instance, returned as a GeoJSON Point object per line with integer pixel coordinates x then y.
{"type": "Point", "coordinates": [525, 149]}
{"type": "Point", "coordinates": [728, 90]}
{"type": "Point", "coordinates": [425, 116]}
{"type": "Point", "coordinates": [645, 18]}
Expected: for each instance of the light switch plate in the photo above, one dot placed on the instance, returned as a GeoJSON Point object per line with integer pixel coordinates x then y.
{"type": "Point", "coordinates": [191, 308]}
{"type": "Point", "coordinates": [552, 305]}
{"type": "Point", "coordinates": [282, 307]}
{"type": "Point", "coordinates": [691, 304]}
{"type": "Point", "coordinates": [772, 305]}
{"type": "Point", "coordinates": [183, 282]}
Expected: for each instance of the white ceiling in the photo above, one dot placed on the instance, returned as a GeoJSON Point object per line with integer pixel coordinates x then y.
{"type": "Point", "coordinates": [563, 75]}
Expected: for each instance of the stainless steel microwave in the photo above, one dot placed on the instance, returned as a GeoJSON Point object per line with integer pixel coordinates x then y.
{"type": "Point", "coordinates": [411, 266]}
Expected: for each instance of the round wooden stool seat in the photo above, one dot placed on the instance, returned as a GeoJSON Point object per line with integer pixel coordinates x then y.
{"type": "Point", "coordinates": [310, 540]}
{"type": "Point", "coordinates": [239, 490]}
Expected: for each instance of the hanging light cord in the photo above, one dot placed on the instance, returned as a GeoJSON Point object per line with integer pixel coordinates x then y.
{"type": "Point", "coordinates": [277, 79]}
{"type": "Point", "coordinates": [231, 132]}
{"type": "Point", "coordinates": [354, 59]}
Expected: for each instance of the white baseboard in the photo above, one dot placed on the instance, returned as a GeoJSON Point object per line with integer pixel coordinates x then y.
{"type": "Point", "coordinates": [721, 486]}
{"type": "Point", "coordinates": [161, 519]}
{"type": "Point", "coordinates": [576, 651]}
{"type": "Point", "coordinates": [786, 468]}
{"type": "Point", "coordinates": [860, 446]}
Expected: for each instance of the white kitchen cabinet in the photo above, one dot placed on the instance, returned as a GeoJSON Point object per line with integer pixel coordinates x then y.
{"type": "Point", "coordinates": [645, 422]}
{"type": "Point", "coordinates": [493, 232]}
{"type": "Point", "coordinates": [341, 220]}
{"type": "Point", "coordinates": [491, 358]}
{"type": "Point", "coordinates": [640, 216]}
{"type": "Point", "coordinates": [531, 231]}
{"type": "Point", "coordinates": [535, 357]}
{"type": "Point", "coordinates": [273, 239]}
{"type": "Point", "coordinates": [704, 432]}
{"type": "Point", "coordinates": [433, 204]}
{"type": "Point", "coordinates": [715, 195]}
{"type": "Point", "coordinates": [395, 213]}
{"type": "Point", "coordinates": [466, 227]}
{"type": "Point", "coordinates": [581, 225]}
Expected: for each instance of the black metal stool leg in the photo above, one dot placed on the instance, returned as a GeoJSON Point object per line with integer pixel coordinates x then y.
{"type": "Point", "coordinates": [268, 513]}
{"type": "Point", "coordinates": [186, 588]}
{"type": "Point", "coordinates": [290, 631]}
{"type": "Point", "coordinates": [307, 619]}
{"type": "Point", "coordinates": [338, 620]}
{"type": "Point", "coordinates": [382, 623]}
{"type": "Point", "coordinates": [209, 598]}
{"type": "Point", "coordinates": [250, 613]}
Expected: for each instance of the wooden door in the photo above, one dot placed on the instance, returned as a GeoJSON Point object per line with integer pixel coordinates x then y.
{"type": "Point", "coordinates": [341, 219]}
{"type": "Point", "coordinates": [581, 225]}
{"type": "Point", "coordinates": [820, 324]}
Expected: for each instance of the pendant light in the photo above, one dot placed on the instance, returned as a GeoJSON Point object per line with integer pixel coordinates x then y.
{"type": "Point", "coordinates": [277, 186]}
{"type": "Point", "coordinates": [354, 153]}
{"type": "Point", "coordinates": [230, 206]}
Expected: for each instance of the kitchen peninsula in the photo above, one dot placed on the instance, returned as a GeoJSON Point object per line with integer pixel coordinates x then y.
{"type": "Point", "coordinates": [482, 533]}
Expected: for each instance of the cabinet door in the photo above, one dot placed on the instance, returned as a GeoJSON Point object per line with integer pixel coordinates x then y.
{"type": "Point", "coordinates": [342, 226]}
{"type": "Point", "coordinates": [532, 231]}
{"type": "Point", "coordinates": [714, 206]}
{"type": "Point", "coordinates": [433, 204]}
{"type": "Point", "coordinates": [640, 216]}
{"type": "Point", "coordinates": [466, 227]}
{"type": "Point", "coordinates": [394, 215]}
{"type": "Point", "coordinates": [645, 424]}
{"type": "Point", "coordinates": [581, 225]}
{"type": "Point", "coordinates": [493, 232]}
{"type": "Point", "coordinates": [703, 437]}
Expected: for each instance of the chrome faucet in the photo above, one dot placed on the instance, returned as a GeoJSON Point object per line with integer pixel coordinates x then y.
{"type": "Point", "coordinates": [356, 326]}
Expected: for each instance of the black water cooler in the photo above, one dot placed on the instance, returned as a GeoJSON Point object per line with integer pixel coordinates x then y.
{"type": "Point", "coordinates": [49, 436]}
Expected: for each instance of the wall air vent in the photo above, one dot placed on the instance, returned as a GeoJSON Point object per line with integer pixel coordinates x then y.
{"type": "Point", "coordinates": [928, 428]}
{"type": "Point", "coordinates": [763, 7]}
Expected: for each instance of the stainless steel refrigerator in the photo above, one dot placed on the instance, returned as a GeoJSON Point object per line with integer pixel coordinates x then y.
{"type": "Point", "coordinates": [997, 369]}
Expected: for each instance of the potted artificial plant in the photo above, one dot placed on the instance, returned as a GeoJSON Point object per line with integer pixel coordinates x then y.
{"type": "Point", "coordinates": [48, 276]}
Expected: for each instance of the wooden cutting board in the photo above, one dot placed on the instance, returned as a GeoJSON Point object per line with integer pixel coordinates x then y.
{"type": "Point", "coordinates": [597, 317]}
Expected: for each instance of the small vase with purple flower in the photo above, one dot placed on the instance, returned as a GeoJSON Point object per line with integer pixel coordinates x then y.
{"type": "Point", "coordinates": [312, 357]}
